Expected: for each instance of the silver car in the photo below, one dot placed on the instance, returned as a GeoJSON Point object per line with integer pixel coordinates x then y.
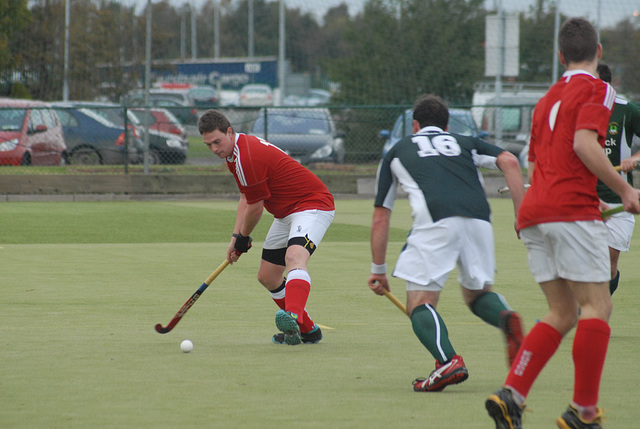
{"type": "Point", "coordinates": [307, 135]}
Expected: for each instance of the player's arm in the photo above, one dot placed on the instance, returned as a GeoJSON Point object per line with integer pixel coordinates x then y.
{"type": "Point", "coordinates": [510, 167]}
{"type": "Point", "coordinates": [247, 217]}
{"type": "Point", "coordinates": [586, 146]}
{"type": "Point", "coordinates": [378, 281]}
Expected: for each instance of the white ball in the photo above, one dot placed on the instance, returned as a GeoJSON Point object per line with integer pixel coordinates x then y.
{"type": "Point", "coordinates": [186, 346]}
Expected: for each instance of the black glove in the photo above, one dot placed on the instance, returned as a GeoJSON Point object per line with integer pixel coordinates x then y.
{"type": "Point", "coordinates": [243, 243]}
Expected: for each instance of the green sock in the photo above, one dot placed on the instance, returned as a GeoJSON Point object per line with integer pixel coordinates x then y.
{"type": "Point", "coordinates": [613, 283]}
{"type": "Point", "coordinates": [432, 332]}
{"type": "Point", "coordinates": [488, 307]}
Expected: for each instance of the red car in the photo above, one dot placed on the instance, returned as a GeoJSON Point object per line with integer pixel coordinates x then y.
{"type": "Point", "coordinates": [161, 120]}
{"type": "Point", "coordinates": [30, 134]}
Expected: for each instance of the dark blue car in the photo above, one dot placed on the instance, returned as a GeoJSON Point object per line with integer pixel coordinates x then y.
{"type": "Point", "coordinates": [91, 139]}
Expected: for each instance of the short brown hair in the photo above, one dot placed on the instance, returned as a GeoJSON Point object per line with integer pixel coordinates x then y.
{"type": "Point", "coordinates": [212, 120]}
{"type": "Point", "coordinates": [429, 110]}
{"type": "Point", "coordinates": [578, 41]}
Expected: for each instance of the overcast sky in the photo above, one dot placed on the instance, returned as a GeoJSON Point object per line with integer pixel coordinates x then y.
{"type": "Point", "coordinates": [611, 11]}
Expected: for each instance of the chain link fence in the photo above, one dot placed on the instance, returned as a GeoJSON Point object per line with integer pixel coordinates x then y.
{"type": "Point", "coordinates": [104, 138]}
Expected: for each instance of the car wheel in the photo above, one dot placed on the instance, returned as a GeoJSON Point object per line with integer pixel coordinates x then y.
{"type": "Point", "coordinates": [26, 159]}
{"type": "Point", "coordinates": [85, 156]}
{"type": "Point", "coordinates": [154, 157]}
{"type": "Point", "coordinates": [63, 159]}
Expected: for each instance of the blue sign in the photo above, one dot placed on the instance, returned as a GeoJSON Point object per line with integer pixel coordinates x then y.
{"type": "Point", "coordinates": [229, 73]}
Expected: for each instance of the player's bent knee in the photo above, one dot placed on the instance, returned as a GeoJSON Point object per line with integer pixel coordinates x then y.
{"type": "Point", "coordinates": [304, 242]}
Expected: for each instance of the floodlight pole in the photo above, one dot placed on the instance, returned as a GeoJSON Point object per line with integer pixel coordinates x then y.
{"type": "Point", "coordinates": [65, 80]}
{"type": "Point", "coordinates": [281, 55]}
{"type": "Point", "coordinates": [147, 85]}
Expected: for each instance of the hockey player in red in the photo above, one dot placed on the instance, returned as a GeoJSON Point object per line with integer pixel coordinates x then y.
{"type": "Point", "coordinates": [302, 207]}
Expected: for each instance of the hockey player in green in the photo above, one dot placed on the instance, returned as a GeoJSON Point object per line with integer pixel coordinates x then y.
{"type": "Point", "coordinates": [451, 226]}
{"type": "Point", "coordinates": [624, 124]}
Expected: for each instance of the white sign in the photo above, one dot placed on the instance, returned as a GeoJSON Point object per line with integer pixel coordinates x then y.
{"type": "Point", "coordinates": [502, 46]}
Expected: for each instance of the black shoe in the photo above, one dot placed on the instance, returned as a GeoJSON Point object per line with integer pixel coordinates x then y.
{"type": "Point", "coordinates": [504, 410]}
{"type": "Point", "coordinates": [312, 337]}
{"type": "Point", "coordinates": [571, 420]}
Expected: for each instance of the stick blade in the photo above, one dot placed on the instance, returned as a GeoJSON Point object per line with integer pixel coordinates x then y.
{"type": "Point", "coordinates": [162, 330]}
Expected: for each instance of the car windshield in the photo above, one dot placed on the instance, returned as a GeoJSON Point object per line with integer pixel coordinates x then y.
{"type": "Point", "coordinates": [304, 122]}
{"type": "Point", "coordinates": [459, 124]}
{"type": "Point", "coordinates": [93, 115]}
{"type": "Point", "coordinates": [11, 119]}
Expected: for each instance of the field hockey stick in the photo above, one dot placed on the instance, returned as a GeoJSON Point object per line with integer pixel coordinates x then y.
{"type": "Point", "coordinates": [396, 301]}
{"type": "Point", "coordinates": [187, 305]}
{"type": "Point", "coordinates": [608, 212]}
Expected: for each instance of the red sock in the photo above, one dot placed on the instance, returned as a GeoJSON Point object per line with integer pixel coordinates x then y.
{"type": "Point", "coordinates": [297, 293]}
{"type": "Point", "coordinates": [307, 324]}
{"type": "Point", "coordinates": [537, 348]}
{"type": "Point", "coordinates": [589, 352]}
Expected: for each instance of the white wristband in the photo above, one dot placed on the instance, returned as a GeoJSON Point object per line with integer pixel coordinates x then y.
{"type": "Point", "coordinates": [378, 269]}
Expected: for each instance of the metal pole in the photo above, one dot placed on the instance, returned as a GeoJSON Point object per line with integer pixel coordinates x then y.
{"type": "Point", "coordinates": [183, 34]}
{"type": "Point", "coordinates": [501, 33]}
{"type": "Point", "coordinates": [147, 85]}
{"type": "Point", "coordinates": [216, 30]}
{"type": "Point", "coordinates": [556, 30]}
{"type": "Point", "coordinates": [67, 20]}
{"type": "Point", "coordinates": [250, 48]}
{"type": "Point", "coordinates": [281, 54]}
{"type": "Point", "coordinates": [194, 42]}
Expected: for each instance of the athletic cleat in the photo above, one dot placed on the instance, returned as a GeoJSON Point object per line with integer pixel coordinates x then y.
{"type": "Point", "coordinates": [571, 420]}
{"type": "Point", "coordinates": [452, 372]}
{"type": "Point", "coordinates": [312, 337]}
{"type": "Point", "coordinates": [504, 410]}
{"type": "Point", "coordinates": [289, 327]}
{"type": "Point", "coordinates": [511, 325]}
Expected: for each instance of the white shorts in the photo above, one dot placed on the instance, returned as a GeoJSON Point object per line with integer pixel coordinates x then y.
{"type": "Point", "coordinates": [312, 224]}
{"type": "Point", "coordinates": [433, 251]}
{"type": "Point", "coordinates": [620, 227]}
{"type": "Point", "coordinates": [575, 251]}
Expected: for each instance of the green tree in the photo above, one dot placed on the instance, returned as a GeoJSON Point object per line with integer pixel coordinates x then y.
{"type": "Point", "coordinates": [537, 42]}
{"type": "Point", "coordinates": [402, 49]}
{"type": "Point", "coordinates": [14, 19]}
{"type": "Point", "coordinates": [622, 53]}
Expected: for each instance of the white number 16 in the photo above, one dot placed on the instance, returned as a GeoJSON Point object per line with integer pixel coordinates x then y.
{"type": "Point", "coordinates": [442, 144]}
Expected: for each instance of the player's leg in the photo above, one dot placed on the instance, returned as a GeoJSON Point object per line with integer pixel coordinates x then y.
{"type": "Point", "coordinates": [271, 276]}
{"type": "Point", "coordinates": [432, 332]}
{"type": "Point", "coordinates": [476, 268]}
{"type": "Point", "coordinates": [590, 346]}
{"type": "Point", "coordinates": [620, 228]}
{"type": "Point", "coordinates": [306, 231]}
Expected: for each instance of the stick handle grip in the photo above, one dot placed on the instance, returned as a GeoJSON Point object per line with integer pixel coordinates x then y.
{"type": "Point", "coordinates": [216, 273]}
{"type": "Point", "coordinates": [396, 301]}
{"type": "Point", "coordinates": [606, 213]}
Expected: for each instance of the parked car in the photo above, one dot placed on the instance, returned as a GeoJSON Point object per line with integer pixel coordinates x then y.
{"type": "Point", "coordinates": [308, 135]}
{"type": "Point", "coordinates": [164, 148]}
{"type": "Point", "coordinates": [93, 139]}
{"type": "Point", "coordinates": [161, 120]}
{"type": "Point", "coordinates": [314, 97]}
{"type": "Point", "coordinates": [204, 95]}
{"type": "Point", "coordinates": [515, 115]}
{"type": "Point", "coordinates": [30, 134]}
{"type": "Point", "coordinates": [256, 94]}
{"type": "Point", "coordinates": [185, 111]}
{"type": "Point", "coordinates": [460, 122]}
{"type": "Point", "coordinates": [199, 95]}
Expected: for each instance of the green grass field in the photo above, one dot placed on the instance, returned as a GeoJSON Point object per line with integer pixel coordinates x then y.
{"type": "Point", "coordinates": [83, 284]}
